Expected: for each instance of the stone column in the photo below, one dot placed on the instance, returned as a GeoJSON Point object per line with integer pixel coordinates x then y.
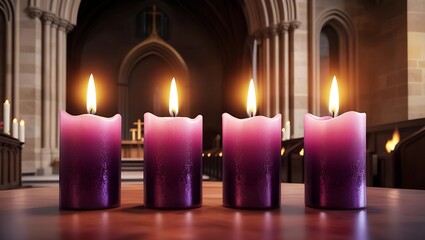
{"type": "Point", "coordinates": [53, 89]}
{"type": "Point", "coordinates": [284, 70]}
{"type": "Point", "coordinates": [61, 68]}
{"type": "Point", "coordinates": [274, 65]}
{"type": "Point", "coordinates": [61, 71]}
{"type": "Point", "coordinates": [46, 88]}
{"type": "Point", "coordinates": [265, 66]}
{"type": "Point", "coordinates": [294, 25]}
{"type": "Point", "coordinates": [260, 84]}
{"type": "Point", "coordinates": [31, 96]}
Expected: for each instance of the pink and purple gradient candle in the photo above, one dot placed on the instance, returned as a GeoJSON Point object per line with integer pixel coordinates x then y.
{"type": "Point", "coordinates": [90, 161]}
{"type": "Point", "coordinates": [251, 160]}
{"type": "Point", "coordinates": [173, 160]}
{"type": "Point", "coordinates": [335, 160]}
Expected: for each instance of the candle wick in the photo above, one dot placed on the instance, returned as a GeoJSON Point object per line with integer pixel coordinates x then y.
{"type": "Point", "coordinates": [92, 111]}
{"type": "Point", "coordinates": [333, 114]}
{"type": "Point", "coordinates": [174, 113]}
{"type": "Point", "coordinates": [251, 114]}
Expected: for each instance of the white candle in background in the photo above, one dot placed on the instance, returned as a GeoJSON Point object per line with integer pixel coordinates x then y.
{"type": "Point", "coordinates": [288, 130]}
{"type": "Point", "coordinates": [6, 117]}
{"type": "Point", "coordinates": [15, 133]}
{"type": "Point", "coordinates": [22, 131]}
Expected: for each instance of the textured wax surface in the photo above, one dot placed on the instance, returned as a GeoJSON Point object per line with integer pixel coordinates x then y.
{"type": "Point", "coordinates": [90, 162]}
{"type": "Point", "coordinates": [335, 161]}
{"type": "Point", "coordinates": [251, 162]}
{"type": "Point", "coordinates": [173, 162]}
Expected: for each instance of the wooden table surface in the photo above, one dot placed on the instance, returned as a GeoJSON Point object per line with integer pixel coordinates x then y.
{"type": "Point", "coordinates": [33, 213]}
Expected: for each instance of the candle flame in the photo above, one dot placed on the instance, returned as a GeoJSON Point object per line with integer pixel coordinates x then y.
{"type": "Point", "coordinates": [7, 101]}
{"type": "Point", "coordinates": [301, 152]}
{"type": "Point", "coordinates": [15, 120]}
{"type": "Point", "coordinates": [334, 98]}
{"type": "Point", "coordinates": [251, 106]}
{"type": "Point", "coordinates": [91, 96]}
{"type": "Point", "coordinates": [22, 123]}
{"type": "Point", "coordinates": [282, 151]}
{"type": "Point", "coordinates": [393, 141]}
{"type": "Point", "coordinates": [174, 100]}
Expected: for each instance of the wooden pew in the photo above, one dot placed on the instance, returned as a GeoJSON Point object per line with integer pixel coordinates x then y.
{"type": "Point", "coordinates": [409, 159]}
{"type": "Point", "coordinates": [10, 162]}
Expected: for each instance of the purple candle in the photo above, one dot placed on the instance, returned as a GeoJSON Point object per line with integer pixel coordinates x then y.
{"type": "Point", "coordinates": [173, 159]}
{"type": "Point", "coordinates": [335, 159]}
{"type": "Point", "coordinates": [251, 159]}
{"type": "Point", "coordinates": [90, 159]}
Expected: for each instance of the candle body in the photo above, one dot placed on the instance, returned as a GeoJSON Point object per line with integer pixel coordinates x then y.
{"type": "Point", "coordinates": [6, 117]}
{"type": "Point", "coordinates": [90, 162]}
{"type": "Point", "coordinates": [173, 162]}
{"type": "Point", "coordinates": [335, 161]}
{"type": "Point", "coordinates": [22, 131]}
{"type": "Point", "coordinates": [15, 130]}
{"type": "Point", "coordinates": [251, 162]}
{"type": "Point", "coordinates": [287, 130]}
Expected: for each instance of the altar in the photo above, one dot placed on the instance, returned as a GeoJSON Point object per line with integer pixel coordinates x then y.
{"type": "Point", "coordinates": [132, 150]}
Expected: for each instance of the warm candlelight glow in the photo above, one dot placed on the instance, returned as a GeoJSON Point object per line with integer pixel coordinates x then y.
{"type": "Point", "coordinates": [301, 152]}
{"type": "Point", "coordinates": [334, 98]}
{"type": "Point", "coordinates": [282, 151]}
{"type": "Point", "coordinates": [393, 141]}
{"type": "Point", "coordinates": [91, 96]}
{"type": "Point", "coordinates": [174, 100]}
{"type": "Point", "coordinates": [251, 106]}
{"type": "Point", "coordinates": [7, 102]}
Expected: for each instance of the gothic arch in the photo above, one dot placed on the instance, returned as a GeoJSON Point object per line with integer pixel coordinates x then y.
{"type": "Point", "coordinates": [66, 10]}
{"type": "Point", "coordinates": [151, 46]}
{"type": "Point", "coordinates": [267, 13]}
{"type": "Point", "coordinates": [7, 9]}
{"type": "Point", "coordinates": [344, 27]}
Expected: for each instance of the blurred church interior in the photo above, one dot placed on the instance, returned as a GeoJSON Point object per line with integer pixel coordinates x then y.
{"type": "Point", "coordinates": [291, 48]}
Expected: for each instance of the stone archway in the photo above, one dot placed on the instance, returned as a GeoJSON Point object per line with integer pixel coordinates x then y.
{"type": "Point", "coordinates": [341, 23]}
{"type": "Point", "coordinates": [273, 23]}
{"type": "Point", "coordinates": [151, 46]}
{"type": "Point", "coordinates": [9, 68]}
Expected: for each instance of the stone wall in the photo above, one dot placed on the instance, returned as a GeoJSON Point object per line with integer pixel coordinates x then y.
{"type": "Point", "coordinates": [416, 58]}
{"type": "Point", "coordinates": [386, 57]}
{"type": "Point", "coordinates": [30, 87]}
{"type": "Point", "coordinates": [300, 70]}
{"type": "Point", "coordinates": [380, 65]}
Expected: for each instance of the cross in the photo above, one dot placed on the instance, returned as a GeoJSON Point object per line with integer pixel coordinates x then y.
{"type": "Point", "coordinates": [133, 134]}
{"type": "Point", "coordinates": [154, 31]}
{"type": "Point", "coordinates": [139, 125]}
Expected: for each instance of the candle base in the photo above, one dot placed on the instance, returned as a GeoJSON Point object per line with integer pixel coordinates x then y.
{"type": "Point", "coordinates": [348, 195]}
{"type": "Point", "coordinates": [268, 202]}
{"type": "Point", "coordinates": [260, 193]}
{"type": "Point", "coordinates": [173, 207]}
{"type": "Point", "coordinates": [336, 208]}
{"type": "Point", "coordinates": [251, 207]}
{"type": "Point", "coordinates": [71, 208]}
{"type": "Point", "coordinates": [170, 197]}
